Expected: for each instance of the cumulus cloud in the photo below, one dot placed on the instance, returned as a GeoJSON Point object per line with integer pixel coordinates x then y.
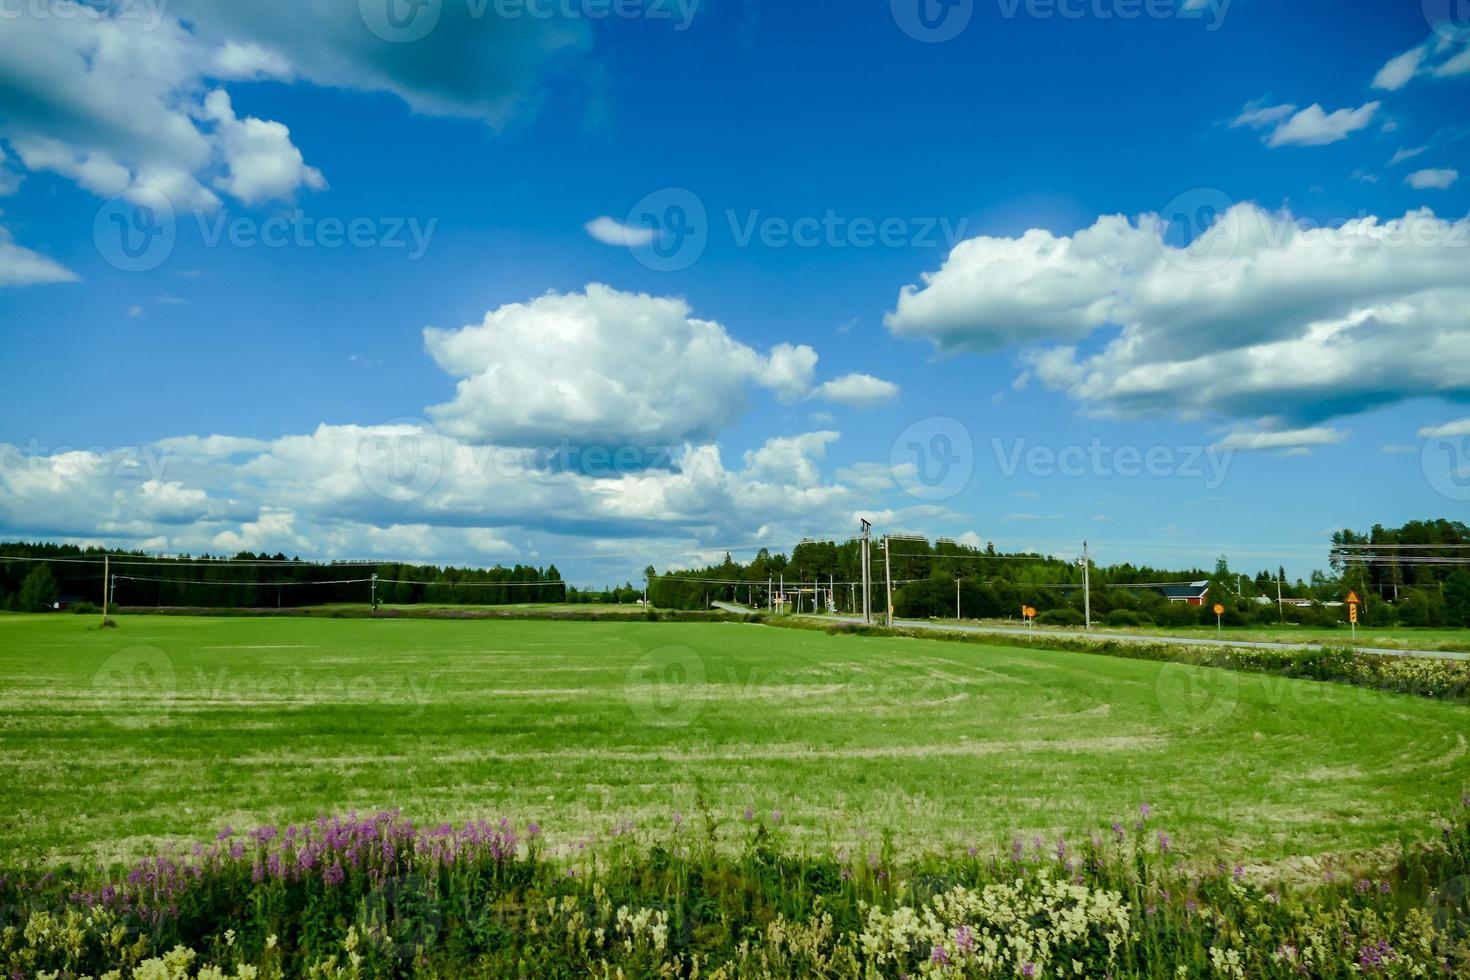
{"type": "Point", "coordinates": [407, 490]}
{"type": "Point", "coordinates": [262, 162]}
{"type": "Point", "coordinates": [119, 101]}
{"type": "Point", "coordinates": [1432, 179]}
{"type": "Point", "coordinates": [857, 391]}
{"type": "Point", "coordinates": [21, 267]}
{"type": "Point", "coordinates": [1259, 316]}
{"type": "Point", "coordinates": [607, 367]}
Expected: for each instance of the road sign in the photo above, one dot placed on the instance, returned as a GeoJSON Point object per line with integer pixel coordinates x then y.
{"type": "Point", "coordinates": [1353, 614]}
{"type": "Point", "coordinates": [1219, 609]}
{"type": "Point", "coordinates": [1353, 599]}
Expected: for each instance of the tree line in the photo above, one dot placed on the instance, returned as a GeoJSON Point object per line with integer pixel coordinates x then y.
{"type": "Point", "coordinates": [247, 580]}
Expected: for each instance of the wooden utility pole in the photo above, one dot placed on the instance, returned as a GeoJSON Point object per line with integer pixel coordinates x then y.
{"type": "Point", "coordinates": [106, 580]}
{"type": "Point", "coordinates": [1086, 585]}
{"type": "Point", "coordinates": [957, 598]}
{"type": "Point", "coordinates": [865, 562]}
{"type": "Point", "coordinates": [888, 580]}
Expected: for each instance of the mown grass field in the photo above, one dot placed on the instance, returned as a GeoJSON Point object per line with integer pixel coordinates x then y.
{"type": "Point", "coordinates": [173, 727]}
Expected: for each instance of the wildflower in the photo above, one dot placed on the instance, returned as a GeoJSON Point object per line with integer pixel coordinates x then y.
{"type": "Point", "coordinates": [333, 874]}
{"type": "Point", "coordinates": [1239, 873]}
{"type": "Point", "coordinates": [1144, 810]}
{"type": "Point", "coordinates": [775, 816]}
{"type": "Point", "coordinates": [749, 814]}
{"type": "Point", "coordinates": [1028, 969]}
{"type": "Point", "coordinates": [964, 939]}
{"type": "Point", "coordinates": [939, 955]}
{"type": "Point", "coordinates": [533, 830]}
{"type": "Point", "coordinates": [1163, 843]}
{"type": "Point", "coordinates": [227, 832]}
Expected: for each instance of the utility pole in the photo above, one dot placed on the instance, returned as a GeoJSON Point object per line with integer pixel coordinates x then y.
{"type": "Point", "coordinates": [865, 562]}
{"type": "Point", "coordinates": [770, 596]}
{"type": "Point", "coordinates": [783, 592]}
{"type": "Point", "coordinates": [106, 577]}
{"type": "Point", "coordinates": [957, 598]}
{"type": "Point", "coordinates": [888, 580]}
{"type": "Point", "coordinates": [1280, 604]}
{"type": "Point", "coordinates": [1086, 585]}
{"type": "Point", "coordinates": [375, 593]}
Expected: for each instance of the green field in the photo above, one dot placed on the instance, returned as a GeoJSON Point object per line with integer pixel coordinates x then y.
{"type": "Point", "coordinates": [172, 727]}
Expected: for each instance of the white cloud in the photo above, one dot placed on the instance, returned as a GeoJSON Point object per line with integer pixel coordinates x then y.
{"type": "Point", "coordinates": [610, 231]}
{"type": "Point", "coordinates": [117, 101]}
{"type": "Point", "coordinates": [1407, 153]}
{"type": "Point", "coordinates": [1396, 74]}
{"type": "Point", "coordinates": [994, 293]}
{"type": "Point", "coordinates": [606, 367]}
{"type": "Point", "coordinates": [262, 162]}
{"type": "Point", "coordinates": [1432, 179]}
{"type": "Point", "coordinates": [22, 267]}
{"type": "Point", "coordinates": [1281, 439]}
{"type": "Point", "coordinates": [1439, 57]}
{"type": "Point", "coordinates": [1257, 115]}
{"type": "Point", "coordinates": [1449, 430]}
{"type": "Point", "coordinates": [116, 106]}
{"type": "Point", "coordinates": [789, 371]}
{"type": "Point", "coordinates": [1279, 320]}
{"type": "Point", "coordinates": [857, 391]}
{"type": "Point", "coordinates": [792, 460]}
{"type": "Point", "coordinates": [1314, 127]}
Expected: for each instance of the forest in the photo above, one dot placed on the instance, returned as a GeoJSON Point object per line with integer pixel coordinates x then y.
{"type": "Point", "coordinates": [39, 576]}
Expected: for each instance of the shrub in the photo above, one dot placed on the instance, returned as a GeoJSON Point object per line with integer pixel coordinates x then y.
{"type": "Point", "coordinates": [1062, 616]}
{"type": "Point", "coordinates": [1124, 617]}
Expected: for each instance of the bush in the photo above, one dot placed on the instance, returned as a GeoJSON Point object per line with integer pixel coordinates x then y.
{"type": "Point", "coordinates": [1063, 616]}
{"type": "Point", "coordinates": [1124, 617]}
{"type": "Point", "coordinates": [85, 608]}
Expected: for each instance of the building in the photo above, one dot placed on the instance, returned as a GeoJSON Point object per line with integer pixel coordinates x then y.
{"type": "Point", "coordinates": [1193, 594]}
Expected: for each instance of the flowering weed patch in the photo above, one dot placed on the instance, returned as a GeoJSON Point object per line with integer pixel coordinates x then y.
{"type": "Point", "coordinates": [378, 896]}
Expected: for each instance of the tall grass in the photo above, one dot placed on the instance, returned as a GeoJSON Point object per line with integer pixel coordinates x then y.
{"type": "Point", "coordinates": [378, 896]}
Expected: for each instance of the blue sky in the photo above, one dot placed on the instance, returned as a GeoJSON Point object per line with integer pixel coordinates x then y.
{"type": "Point", "coordinates": [1287, 382]}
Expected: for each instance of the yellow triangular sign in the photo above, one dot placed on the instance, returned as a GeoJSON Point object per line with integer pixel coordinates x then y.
{"type": "Point", "coordinates": [1353, 599]}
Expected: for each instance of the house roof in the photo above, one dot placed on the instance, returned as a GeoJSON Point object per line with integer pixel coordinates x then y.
{"type": "Point", "coordinates": [1193, 590]}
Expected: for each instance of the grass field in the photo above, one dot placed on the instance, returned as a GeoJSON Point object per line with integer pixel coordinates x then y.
{"type": "Point", "coordinates": [172, 727]}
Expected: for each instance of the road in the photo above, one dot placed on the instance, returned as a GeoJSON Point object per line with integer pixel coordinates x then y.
{"type": "Point", "coordinates": [1121, 637]}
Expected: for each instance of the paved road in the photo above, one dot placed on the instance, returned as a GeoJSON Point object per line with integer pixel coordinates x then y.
{"type": "Point", "coordinates": [1122, 637]}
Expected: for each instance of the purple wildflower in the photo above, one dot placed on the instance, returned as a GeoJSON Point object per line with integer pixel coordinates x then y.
{"type": "Point", "coordinates": [1144, 810]}
{"type": "Point", "coordinates": [1163, 842]}
{"type": "Point", "coordinates": [939, 955]}
{"type": "Point", "coordinates": [333, 874]}
{"type": "Point", "coordinates": [227, 832]}
{"type": "Point", "coordinates": [964, 939]}
{"type": "Point", "coordinates": [1028, 969]}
